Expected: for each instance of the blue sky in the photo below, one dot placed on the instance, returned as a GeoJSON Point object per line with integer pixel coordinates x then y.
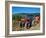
{"type": "Point", "coordinates": [25, 10]}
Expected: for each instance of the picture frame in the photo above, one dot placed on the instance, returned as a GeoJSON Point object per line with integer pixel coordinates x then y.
{"type": "Point", "coordinates": [9, 5]}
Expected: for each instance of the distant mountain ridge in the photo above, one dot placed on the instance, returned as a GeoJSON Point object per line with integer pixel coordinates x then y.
{"type": "Point", "coordinates": [27, 14]}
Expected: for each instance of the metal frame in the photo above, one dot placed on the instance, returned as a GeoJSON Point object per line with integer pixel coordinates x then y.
{"type": "Point", "coordinates": [7, 19]}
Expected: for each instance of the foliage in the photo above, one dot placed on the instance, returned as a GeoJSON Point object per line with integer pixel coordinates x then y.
{"type": "Point", "coordinates": [16, 17]}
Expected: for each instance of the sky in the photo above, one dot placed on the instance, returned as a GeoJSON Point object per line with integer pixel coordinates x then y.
{"type": "Point", "coordinates": [25, 10]}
